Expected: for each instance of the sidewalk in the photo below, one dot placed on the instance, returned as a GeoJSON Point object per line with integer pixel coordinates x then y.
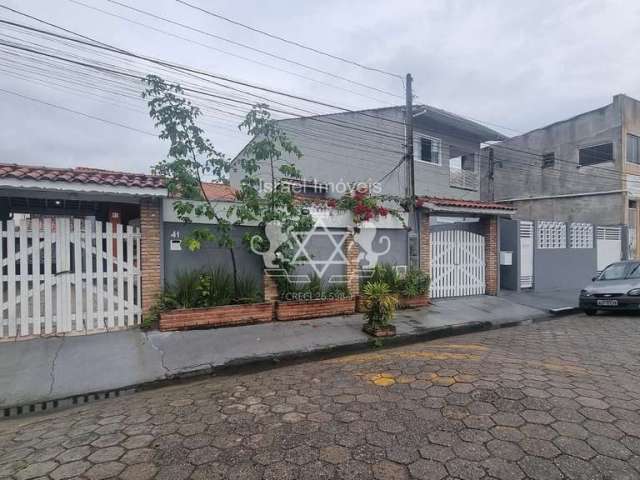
{"type": "Point", "coordinates": [45, 369]}
{"type": "Point", "coordinates": [553, 300]}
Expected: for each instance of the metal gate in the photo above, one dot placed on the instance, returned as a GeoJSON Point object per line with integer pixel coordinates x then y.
{"type": "Point", "coordinates": [457, 263]}
{"type": "Point", "coordinates": [62, 275]}
{"type": "Point", "coordinates": [608, 246]}
{"type": "Point", "coordinates": [526, 254]}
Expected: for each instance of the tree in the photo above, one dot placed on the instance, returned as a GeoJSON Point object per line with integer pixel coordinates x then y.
{"type": "Point", "coordinates": [191, 157]}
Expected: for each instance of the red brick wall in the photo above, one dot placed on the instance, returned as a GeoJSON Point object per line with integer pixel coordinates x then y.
{"type": "Point", "coordinates": [270, 288]}
{"type": "Point", "coordinates": [491, 250]}
{"type": "Point", "coordinates": [300, 310]}
{"type": "Point", "coordinates": [425, 243]}
{"type": "Point", "coordinates": [227, 315]}
{"type": "Point", "coordinates": [351, 252]}
{"type": "Point", "coordinates": [150, 244]}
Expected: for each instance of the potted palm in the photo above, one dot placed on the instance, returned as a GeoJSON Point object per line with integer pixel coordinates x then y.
{"type": "Point", "coordinates": [379, 304]}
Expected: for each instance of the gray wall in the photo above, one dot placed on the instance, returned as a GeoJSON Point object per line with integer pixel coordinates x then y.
{"type": "Point", "coordinates": [320, 249]}
{"type": "Point", "coordinates": [397, 254]}
{"type": "Point", "coordinates": [518, 174]}
{"type": "Point", "coordinates": [596, 209]}
{"type": "Point", "coordinates": [510, 242]}
{"type": "Point", "coordinates": [210, 255]}
{"type": "Point", "coordinates": [565, 268]}
{"type": "Point", "coordinates": [333, 153]}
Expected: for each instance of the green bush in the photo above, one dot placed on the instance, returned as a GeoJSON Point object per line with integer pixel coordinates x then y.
{"type": "Point", "coordinates": [412, 284]}
{"type": "Point", "coordinates": [415, 283]}
{"type": "Point", "coordinates": [311, 290]}
{"type": "Point", "coordinates": [379, 303]}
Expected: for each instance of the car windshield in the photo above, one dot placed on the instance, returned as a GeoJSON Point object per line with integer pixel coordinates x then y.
{"type": "Point", "coordinates": [620, 271]}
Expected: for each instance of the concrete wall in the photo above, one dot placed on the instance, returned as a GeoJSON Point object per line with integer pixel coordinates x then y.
{"type": "Point", "coordinates": [598, 209]}
{"type": "Point", "coordinates": [510, 242]}
{"type": "Point", "coordinates": [350, 147]}
{"type": "Point", "coordinates": [565, 268]}
{"type": "Point", "coordinates": [520, 174]}
{"type": "Point", "coordinates": [397, 254]}
{"type": "Point", "coordinates": [210, 255]}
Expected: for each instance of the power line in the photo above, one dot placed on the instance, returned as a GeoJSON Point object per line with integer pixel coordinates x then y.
{"type": "Point", "coordinates": [77, 112]}
{"type": "Point", "coordinates": [224, 52]}
{"type": "Point", "coordinates": [285, 40]}
{"type": "Point", "coordinates": [258, 50]}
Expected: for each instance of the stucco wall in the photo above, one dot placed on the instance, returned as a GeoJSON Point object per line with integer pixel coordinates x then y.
{"type": "Point", "coordinates": [597, 209]}
{"type": "Point", "coordinates": [210, 256]}
{"type": "Point", "coordinates": [350, 147]}
{"type": "Point", "coordinates": [565, 268]}
{"type": "Point", "coordinates": [519, 174]}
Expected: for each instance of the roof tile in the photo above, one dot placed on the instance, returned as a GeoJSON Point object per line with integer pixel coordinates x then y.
{"type": "Point", "coordinates": [80, 175]}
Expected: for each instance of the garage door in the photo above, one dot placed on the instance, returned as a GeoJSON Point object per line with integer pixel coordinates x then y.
{"type": "Point", "coordinates": [457, 264]}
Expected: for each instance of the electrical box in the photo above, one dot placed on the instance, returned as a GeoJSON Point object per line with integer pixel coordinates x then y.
{"type": "Point", "coordinates": [506, 258]}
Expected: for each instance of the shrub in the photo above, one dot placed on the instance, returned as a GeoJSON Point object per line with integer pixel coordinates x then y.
{"type": "Point", "coordinates": [379, 303]}
{"type": "Point", "coordinates": [415, 283]}
{"type": "Point", "coordinates": [184, 292]}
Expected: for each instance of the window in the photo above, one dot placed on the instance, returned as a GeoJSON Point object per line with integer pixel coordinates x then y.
{"type": "Point", "coordinates": [633, 148]}
{"type": "Point", "coordinates": [427, 149]}
{"type": "Point", "coordinates": [548, 160]}
{"type": "Point", "coordinates": [468, 163]}
{"type": "Point", "coordinates": [595, 154]}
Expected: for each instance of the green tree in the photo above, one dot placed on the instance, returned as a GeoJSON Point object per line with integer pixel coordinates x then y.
{"type": "Point", "coordinates": [191, 157]}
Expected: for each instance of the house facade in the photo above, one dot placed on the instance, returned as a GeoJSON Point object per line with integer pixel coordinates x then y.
{"type": "Point", "coordinates": [365, 146]}
{"type": "Point", "coordinates": [585, 169]}
{"type": "Point", "coordinates": [455, 237]}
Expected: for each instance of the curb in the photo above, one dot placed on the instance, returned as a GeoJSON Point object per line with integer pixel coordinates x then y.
{"type": "Point", "coordinates": [266, 362]}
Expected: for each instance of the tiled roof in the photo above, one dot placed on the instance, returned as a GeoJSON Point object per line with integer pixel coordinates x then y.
{"type": "Point", "coordinates": [458, 203]}
{"type": "Point", "coordinates": [80, 175]}
{"type": "Point", "coordinates": [219, 191]}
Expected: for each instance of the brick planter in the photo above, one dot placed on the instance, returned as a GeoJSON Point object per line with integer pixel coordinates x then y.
{"type": "Point", "coordinates": [227, 315]}
{"type": "Point", "coordinates": [304, 309]}
{"type": "Point", "coordinates": [413, 302]}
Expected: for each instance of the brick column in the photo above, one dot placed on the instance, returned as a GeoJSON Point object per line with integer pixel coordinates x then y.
{"type": "Point", "coordinates": [351, 252]}
{"type": "Point", "coordinates": [425, 243]}
{"type": "Point", "coordinates": [270, 288]}
{"type": "Point", "coordinates": [150, 244]}
{"type": "Point", "coordinates": [491, 254]}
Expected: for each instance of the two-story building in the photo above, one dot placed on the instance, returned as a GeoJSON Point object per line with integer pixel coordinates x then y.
{"type": "Point", "coordinates": [575, 185]}
{"type": "Point", "coordinates": [455, 236]}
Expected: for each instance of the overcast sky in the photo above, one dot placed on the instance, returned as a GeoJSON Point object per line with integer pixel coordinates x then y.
{"type": "Point", "coordinates": [515, 64]}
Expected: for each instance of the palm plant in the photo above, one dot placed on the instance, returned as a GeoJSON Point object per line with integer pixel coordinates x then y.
{"type": "Point", "coordinates": [380, 304]}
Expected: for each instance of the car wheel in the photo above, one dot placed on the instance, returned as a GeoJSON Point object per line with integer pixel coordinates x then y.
{"type": "Point", "coordinates": [590, 311]}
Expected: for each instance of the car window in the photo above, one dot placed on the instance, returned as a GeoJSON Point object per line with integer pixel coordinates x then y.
{"type": "Point", "coordinates": [616, 271]}
{"type": "Point", "coordinates": [634, 272]}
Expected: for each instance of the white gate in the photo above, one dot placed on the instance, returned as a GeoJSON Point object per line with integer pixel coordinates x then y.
{"type": "Point", "coordinates": [62, 275]}
{"type": "Point", "coordinates": [457, 263]}
{"type": "Point", "coordinates": [608, 246]}
{"type": "Point", "coordinates": [526, 254]}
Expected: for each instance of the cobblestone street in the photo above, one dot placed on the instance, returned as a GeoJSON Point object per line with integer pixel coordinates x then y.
{"type": "Point", "coordinates": [559, 399]}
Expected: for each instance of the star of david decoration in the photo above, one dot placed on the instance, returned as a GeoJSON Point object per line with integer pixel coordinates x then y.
{"type": "Point", "coordinates": [320, 230]}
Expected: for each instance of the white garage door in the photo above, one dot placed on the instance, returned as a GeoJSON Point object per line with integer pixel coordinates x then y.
{"type": "Point", "coordinates": [457, 264]}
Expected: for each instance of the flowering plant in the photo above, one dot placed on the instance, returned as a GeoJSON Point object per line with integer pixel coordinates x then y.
{"type": "Point", "coordinates": [365, 206]}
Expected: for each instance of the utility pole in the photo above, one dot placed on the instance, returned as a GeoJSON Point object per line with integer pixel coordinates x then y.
{"type": "Point", "coordinates": [410, 191]}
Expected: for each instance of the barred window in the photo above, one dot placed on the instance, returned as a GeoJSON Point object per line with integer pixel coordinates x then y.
{"type": "Point", "coordinates": [581, 235]}
{"type": "Point", "coordinates": [552, 235]}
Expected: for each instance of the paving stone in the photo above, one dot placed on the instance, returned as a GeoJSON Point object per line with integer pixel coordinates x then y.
{"type": "Point", "coordinates": [36, 470]}
{"type": "Point", "coordinates": [70, 470]}
{"type": "Point", "coordinates": [427, 470]}
{"type": "Point", "coordinates": [140, 471]}
{"type": "Point", "coordinates": [104, 470]}
{"type": "Point", "coordinates": [540, 469]}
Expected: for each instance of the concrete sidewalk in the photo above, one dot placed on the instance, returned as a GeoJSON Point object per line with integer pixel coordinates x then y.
{"type": "Point", "coordinates": [44, 369]}
{"type": "Point", "coordinates": [552, 300]}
